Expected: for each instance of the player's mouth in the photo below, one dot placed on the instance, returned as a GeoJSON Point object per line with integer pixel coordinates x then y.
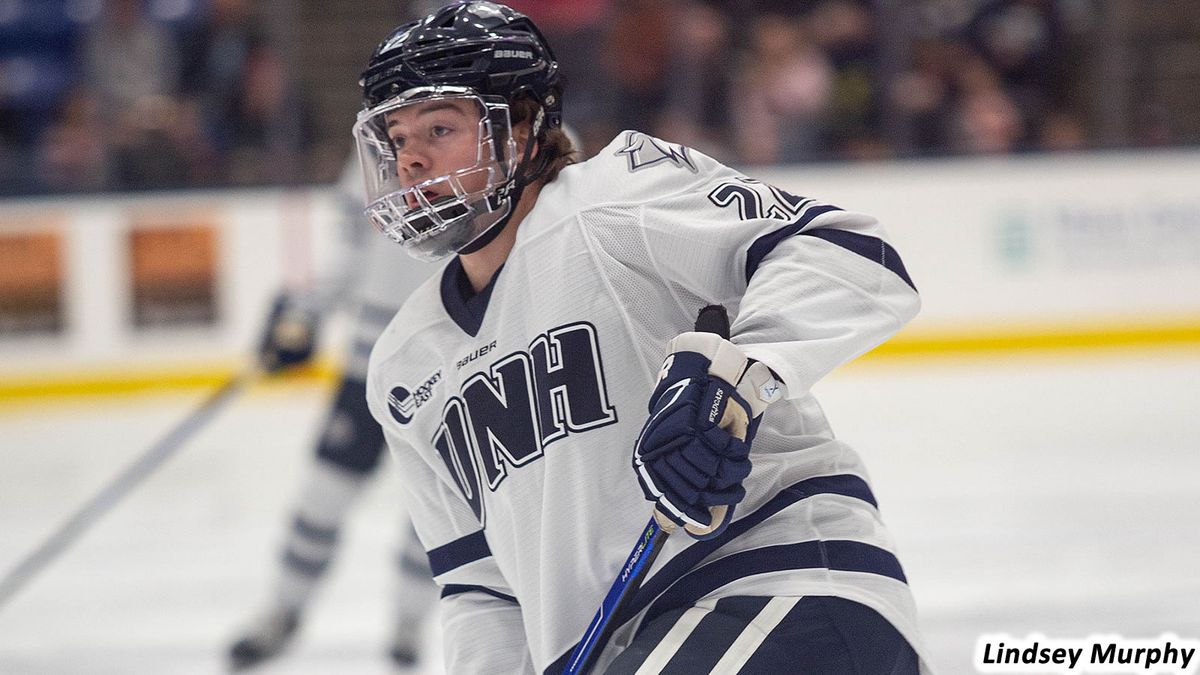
{"type": "Point", "coordinates": [412, 202]}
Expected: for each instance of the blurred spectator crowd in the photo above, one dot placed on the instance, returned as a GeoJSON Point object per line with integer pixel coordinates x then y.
{"type": "Point", "coordinates": [136, 94]}
{"type": "Point", "coordinates": [130, 94]}
{"type": "Point", "coordinates": [782, 81]}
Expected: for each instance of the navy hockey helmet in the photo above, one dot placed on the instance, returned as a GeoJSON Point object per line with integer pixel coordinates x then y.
{"type": "Point", "coordinates": [484, 46]}
{"type": "Point", "coordinates": [474, 54]}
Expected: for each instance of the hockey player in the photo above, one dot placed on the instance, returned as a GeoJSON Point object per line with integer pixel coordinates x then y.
{"type": "Point", "coordinates": [371, 274]}
{"type": "Point", "coordinates": [513, 386]}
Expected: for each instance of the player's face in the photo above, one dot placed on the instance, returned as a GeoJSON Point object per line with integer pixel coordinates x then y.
{"type": "Point", "coordinates": [436, 138]}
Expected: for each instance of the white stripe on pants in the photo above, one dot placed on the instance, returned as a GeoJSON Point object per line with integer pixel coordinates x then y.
{"type": "Point", "coordinates": [743, 647]}
{"type": "Point", "coordinates": [758, 629]}
{"type": "Point", "coordinates": [674, 638]}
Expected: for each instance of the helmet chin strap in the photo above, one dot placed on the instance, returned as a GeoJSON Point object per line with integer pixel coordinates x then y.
{"type": "Point", "coordinates": [514, 189]}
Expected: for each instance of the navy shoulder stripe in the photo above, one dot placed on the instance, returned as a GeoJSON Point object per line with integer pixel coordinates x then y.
{"type": "Point", "coordinates": [459, 552]}
{"type": "Point", "coordinates": [871, 248]}
{"type": "Point", "coordinates": [767, 243]}
{"type": "Point", "coordinates": [455, 589]}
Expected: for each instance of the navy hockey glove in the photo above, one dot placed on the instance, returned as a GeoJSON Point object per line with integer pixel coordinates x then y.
{"type": "Point", "coordinates": [694, 451]}
{"type": "Point", "coordinates": [290, 337]}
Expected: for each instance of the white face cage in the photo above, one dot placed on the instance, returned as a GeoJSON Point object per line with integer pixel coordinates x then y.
{"type": "Point", "coordinates": [434, 216]}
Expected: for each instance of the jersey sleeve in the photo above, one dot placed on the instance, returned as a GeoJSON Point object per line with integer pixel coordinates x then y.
{"type": "Point", "coordinates": [809, 285]}
{"type": "Point", "coordinates": [482, 624]}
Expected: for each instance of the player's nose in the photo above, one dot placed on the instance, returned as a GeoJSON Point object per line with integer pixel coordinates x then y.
{"type": "Point", "coordinates": [412, 164]}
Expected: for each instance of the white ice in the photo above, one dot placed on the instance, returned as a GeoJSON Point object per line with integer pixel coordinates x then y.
{"type": "Point", "coordinates": [1026, 494]}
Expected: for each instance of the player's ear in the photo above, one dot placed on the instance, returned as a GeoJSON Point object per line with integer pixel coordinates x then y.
{"type": "Point", "coordinates": [523, 110]}
{"type": "Point", "coordinates": [521, 135]}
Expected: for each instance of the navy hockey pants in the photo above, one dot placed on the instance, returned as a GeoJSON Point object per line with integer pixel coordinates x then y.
{"type": "Point", "coordinates": [750, 635]}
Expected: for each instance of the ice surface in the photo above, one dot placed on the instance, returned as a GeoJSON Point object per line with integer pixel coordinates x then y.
{"type": "Point", "coordinates": [1026, 494]}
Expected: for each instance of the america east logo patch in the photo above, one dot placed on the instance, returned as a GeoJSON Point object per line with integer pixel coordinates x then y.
{"type": "Point", "coordinates": [403, 403]}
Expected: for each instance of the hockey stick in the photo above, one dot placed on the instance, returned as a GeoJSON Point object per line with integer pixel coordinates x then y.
{"type": "Point", "coordinates": [712, 319]}
{"type": "Point", "coordinates": [119, 487]}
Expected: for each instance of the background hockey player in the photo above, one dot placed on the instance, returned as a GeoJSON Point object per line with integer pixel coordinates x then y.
{"type": "Point", "coordinates": [513, 386]}
{"type": "Point", "coordinates": [372, 276]}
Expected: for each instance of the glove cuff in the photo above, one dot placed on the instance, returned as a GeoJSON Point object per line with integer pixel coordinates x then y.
{"type": "Point", "coordinates": [726, 360]}
{"type": "Point", "coordinates": [754, 380]}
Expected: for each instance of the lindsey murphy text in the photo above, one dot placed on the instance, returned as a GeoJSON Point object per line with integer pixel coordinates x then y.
{"type": "Point", "coordinates": [1168, 653]}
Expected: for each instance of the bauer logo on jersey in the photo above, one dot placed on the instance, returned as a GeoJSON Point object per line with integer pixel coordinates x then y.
{"type": "Point", "coordinates": [643, 151]}
{"type": "Point", "coordinates": [403, 404]}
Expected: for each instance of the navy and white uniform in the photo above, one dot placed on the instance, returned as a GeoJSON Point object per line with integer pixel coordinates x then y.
{"type": "Point", "coordinates": [513, 411]}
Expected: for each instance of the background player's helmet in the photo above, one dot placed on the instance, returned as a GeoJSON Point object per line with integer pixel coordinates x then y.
{"type": "Point", "coordinates": [478, 51]}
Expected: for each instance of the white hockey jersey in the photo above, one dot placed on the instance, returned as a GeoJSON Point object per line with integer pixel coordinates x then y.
{"type": "Point", "coordinates": [513, 412]}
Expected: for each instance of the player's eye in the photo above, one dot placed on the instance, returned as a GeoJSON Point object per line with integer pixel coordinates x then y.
{"type": "Point", "coordinates": [438, 131]}
{"type": "Point", "coordinates": [397, 143]}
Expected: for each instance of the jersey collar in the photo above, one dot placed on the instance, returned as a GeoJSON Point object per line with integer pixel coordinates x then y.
{"type": "Point", "coordinates": [462, 303]}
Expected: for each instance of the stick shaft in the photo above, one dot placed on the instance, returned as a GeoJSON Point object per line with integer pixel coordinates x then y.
{"type": "Point", "coordinates": [632, 572]}
{"type": "Point", "coordinates": [116, 489]}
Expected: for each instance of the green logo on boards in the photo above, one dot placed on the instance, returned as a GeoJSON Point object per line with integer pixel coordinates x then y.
{"type": "Point", "coordinates": [1014, 240]}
